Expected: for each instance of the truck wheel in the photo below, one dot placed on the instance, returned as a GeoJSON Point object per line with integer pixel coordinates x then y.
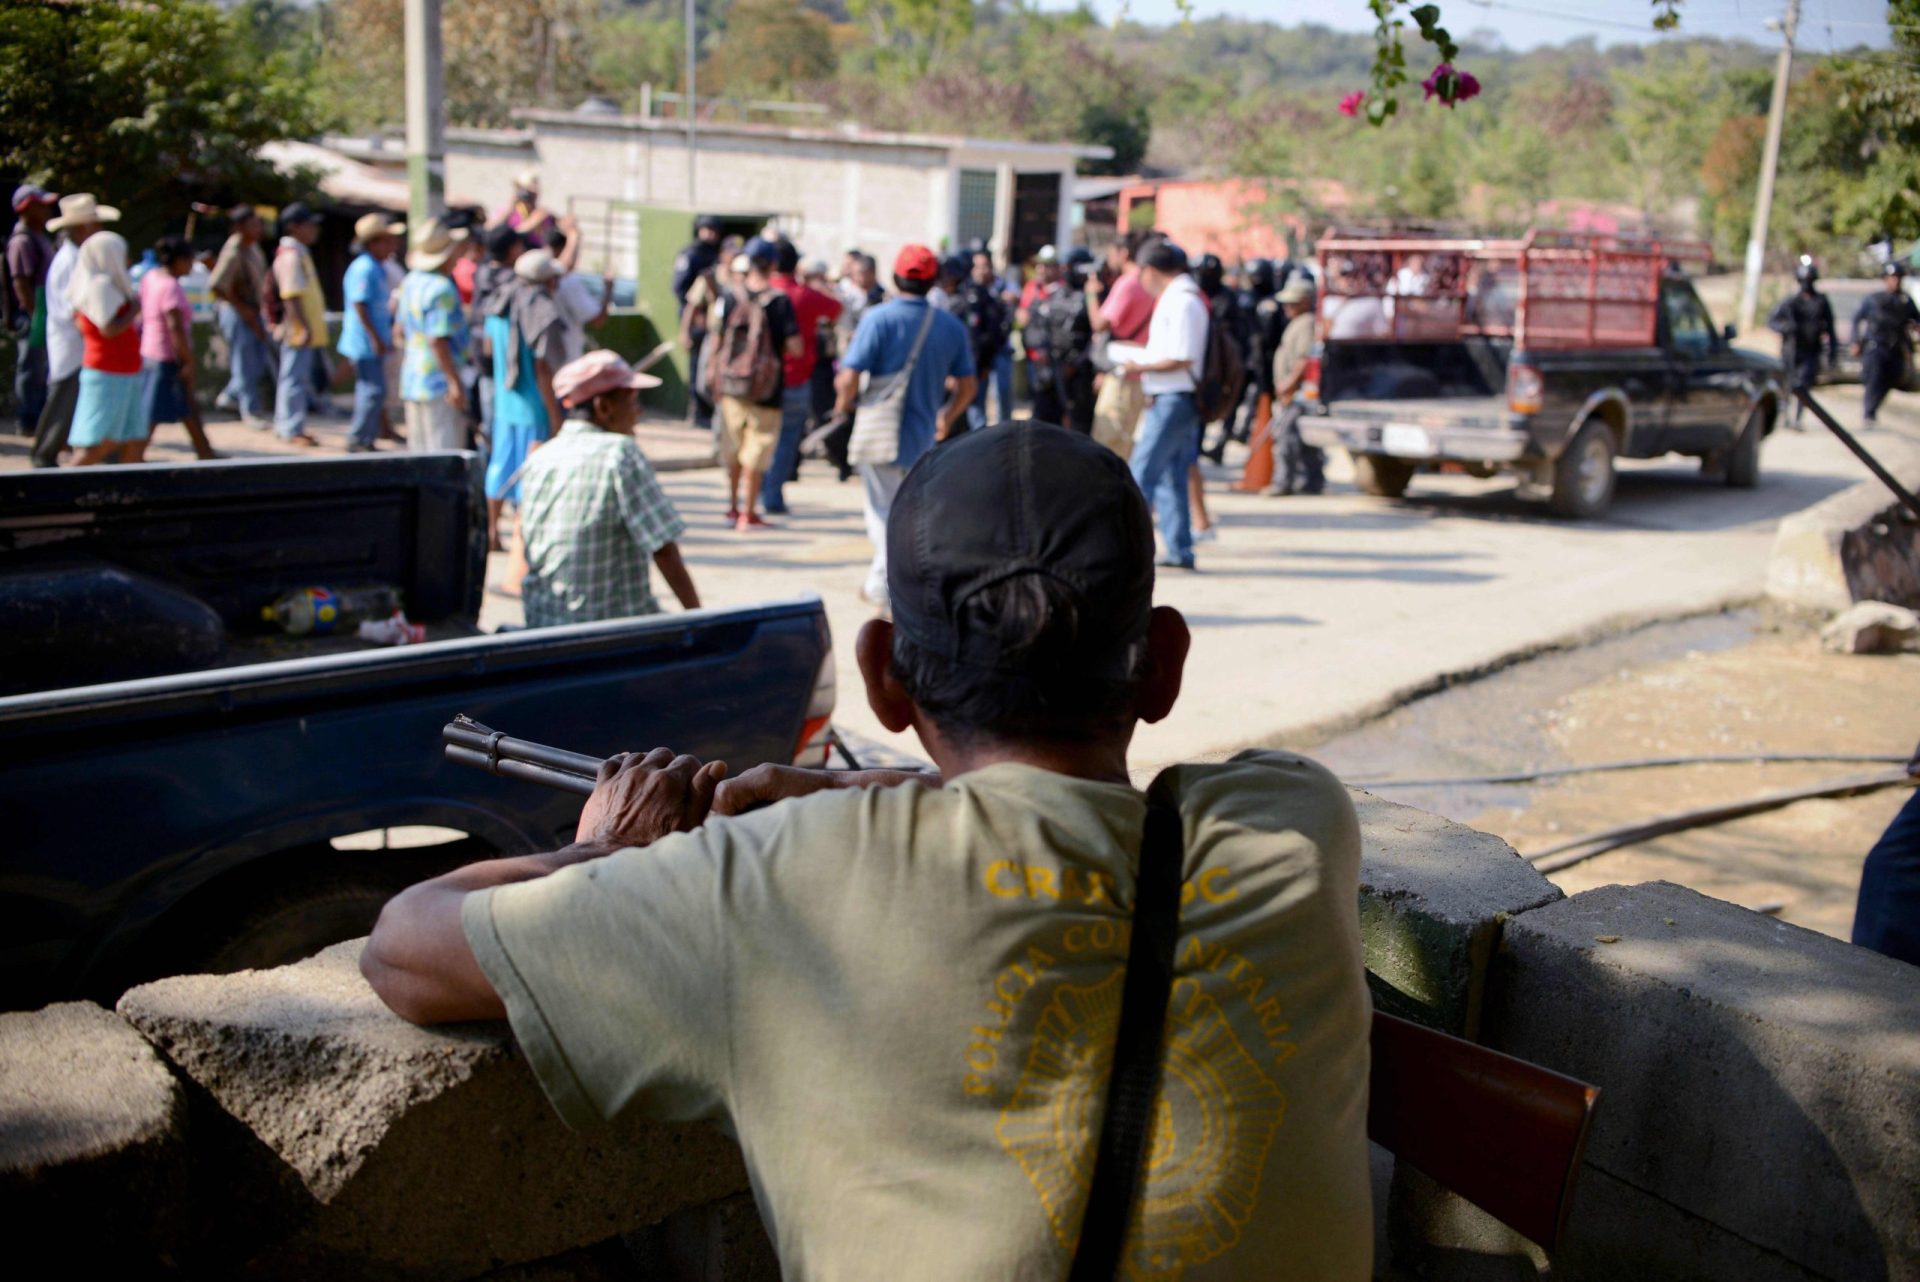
{"type": "Point", "coordinates": [1743, 460]}
{"type": "Point", "coordinates": [1381, 475]}
{"type": "Point", "coordinates": [1583, 474]}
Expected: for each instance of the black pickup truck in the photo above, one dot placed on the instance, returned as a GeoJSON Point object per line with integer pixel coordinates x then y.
{"type": "Point", "coordinates": [217, 796]}
{"type": "Point", "coordinates": [1551, 357]}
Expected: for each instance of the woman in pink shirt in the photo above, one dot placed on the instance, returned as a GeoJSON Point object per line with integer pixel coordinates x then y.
{"type": "Point", "coordinates": [166, 345]}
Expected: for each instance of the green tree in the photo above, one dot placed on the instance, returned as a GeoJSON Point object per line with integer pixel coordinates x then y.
{"type": "Point", "coordinates": [150, 106]}
{"type": "Point", "coordinates": [909, 37]}
{"type": "Point", "coordinates": [771, 47]}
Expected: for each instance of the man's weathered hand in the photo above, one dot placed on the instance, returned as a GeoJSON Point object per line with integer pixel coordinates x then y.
{"type": "Point", "coordinates": [639, 799]}
{"type": "Point", "coordinates": [767, 783]}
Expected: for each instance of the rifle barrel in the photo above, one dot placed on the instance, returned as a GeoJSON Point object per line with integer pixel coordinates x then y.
{"type": "Point", "coordinates": [468, 743]}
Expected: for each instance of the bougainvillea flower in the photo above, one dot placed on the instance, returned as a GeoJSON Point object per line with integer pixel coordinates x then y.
{"type": "Point", "coordinates": [1351, 104]}
{"type": "Point", "coordinates": [1452, 86]}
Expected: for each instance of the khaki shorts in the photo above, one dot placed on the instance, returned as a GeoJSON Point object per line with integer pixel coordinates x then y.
{"type": "Point", "coordinates": [434, 425]}
{"type": "Point", "coordinates": [751, 432]}
{"type": "Point", "coordinates": [1116, 413]}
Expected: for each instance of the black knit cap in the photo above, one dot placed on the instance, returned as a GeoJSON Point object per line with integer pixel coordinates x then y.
{"type": "Point", "coordinates": [1020, 498]}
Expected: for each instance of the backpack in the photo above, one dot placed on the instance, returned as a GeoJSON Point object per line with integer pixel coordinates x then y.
{"type": "Point", "coordinates": [273, 308]}
{"type": "Point", "coordinates": [1064, 332]}
{"type": "Point", "coordinates": [1223, 377]}
{"type": "Point", "coordinates": [746, 364]}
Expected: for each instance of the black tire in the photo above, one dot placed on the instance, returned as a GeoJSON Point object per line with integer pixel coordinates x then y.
{"type": "Point", "coordinates": [1743, 459]}
{"type": "Point", "coordinates": [281, 911]}
{"type": "Point", "coordinates": [1382, 475]}
{"type": "Point", "coordinates": [1583, 475]}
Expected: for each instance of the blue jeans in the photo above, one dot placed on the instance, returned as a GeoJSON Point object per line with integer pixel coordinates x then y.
{"type": "Point", "coordinates": [1888, 917]}
{"type": "Point", "coordinates": [795, 404]}
{"type": "Point", "coordinates": [247, 357]}
{"type": "Point", "coordinates": [369, 396]}
{"type": "Point", "coordinates": [295, 391]}
{"type": "Point", "coordinates": [30, 385]}
{"type": "Point", "coordinates": [1002, 386]}
{"type": "Point", "coordinates": [1169, 444]}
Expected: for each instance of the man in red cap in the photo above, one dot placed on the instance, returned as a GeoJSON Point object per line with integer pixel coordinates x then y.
{"type": "Point", "coordinates": [29, 254]}
{"type": "Point", "coordinates": [592, 515]}
{"type": "Point", "coordinates": [907, 350]}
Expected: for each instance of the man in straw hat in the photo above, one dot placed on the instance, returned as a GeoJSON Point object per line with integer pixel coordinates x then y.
{"type": "Point", "coordinates": [433, 326]}
{"type": "Point", "coordinates": [592, 515]}
{"type": "Point", "coordinates": [29, 254]}
{"type": "Point", "coordinates": [366, 325]}
{"type": "Point", "coordinates": [80, 216]}
{"type": "Point", "coordinates": [1297, 466]}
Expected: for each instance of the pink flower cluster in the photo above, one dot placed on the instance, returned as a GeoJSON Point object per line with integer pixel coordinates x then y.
{"type": "Point", "coordinates": [1452, 86]}
{"type": "Point", "coordinates": [1351, 104]}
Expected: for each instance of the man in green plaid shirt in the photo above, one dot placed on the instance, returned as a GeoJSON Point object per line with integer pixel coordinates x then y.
{"type": "Point", "coordinates": [592, 515]}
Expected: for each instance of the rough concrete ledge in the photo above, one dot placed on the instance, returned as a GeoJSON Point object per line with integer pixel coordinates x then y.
{"type": "Point", "coordinates": [1761, 1085]}
{"type": "Point", "coordinates": [1433, 895]}
{"type": "Point", "coordinates": [1859, 545]}
{"type": "Point", "coordinates": [425, 1153]}
{"type": "Point", "coordinates": [92, 1140]}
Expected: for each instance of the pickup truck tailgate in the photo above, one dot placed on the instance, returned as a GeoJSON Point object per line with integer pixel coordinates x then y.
{"type": "Point", "coordinates": [1472, 428]}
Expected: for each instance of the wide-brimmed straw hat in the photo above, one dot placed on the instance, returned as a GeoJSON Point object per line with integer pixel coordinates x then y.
{"type": "Point", "coordinates": [372, 226]}
{"type": "Point", "coordinates": [434, 244]}
{"type": "Point", "coordinates": [80, 209]}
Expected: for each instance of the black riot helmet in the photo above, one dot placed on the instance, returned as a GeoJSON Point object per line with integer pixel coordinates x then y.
{"type": "Point", "coordinates": [1260, 281]}
{"type": "Point", "coordinates": [1211, 274]}
{"type": "Point", "coordinates": [1805, 272]}
{"type": "Point", "coordinates": [1078, 262]}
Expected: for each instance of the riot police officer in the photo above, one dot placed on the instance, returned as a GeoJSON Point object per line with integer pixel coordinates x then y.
{"type": "Point", "coordinates": [1883, 338]}
{"type": "Point", "coordinates": [1804, 322]}
{"type": "Point", "coordinates": [1060, 344]}
{"type": "Point", "coordinates": [1224, 306]}
{"type": "Point", "coordinates": [693, 262]}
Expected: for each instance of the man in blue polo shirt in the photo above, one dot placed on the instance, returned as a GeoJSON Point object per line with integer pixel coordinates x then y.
{"type": "Point", "coordinates": [883, 345]}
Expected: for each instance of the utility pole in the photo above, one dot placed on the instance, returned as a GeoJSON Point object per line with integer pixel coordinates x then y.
{"type": "Point", "coordinates": [426, 114]}
{"type": "Point", "coordinates": [692, 107]}
{"type": "Point", "coordinates": [1769, 166]}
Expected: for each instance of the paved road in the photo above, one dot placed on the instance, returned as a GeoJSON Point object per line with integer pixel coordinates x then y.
{"type": "Point", "coordinates": [1307, 610]}
{"type": "Point", "coordinates": [1314, 609]}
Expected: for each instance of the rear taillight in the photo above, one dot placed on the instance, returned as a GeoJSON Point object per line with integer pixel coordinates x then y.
{"type": "Point", "coordinates": [816, 728]}
{"type": "Point", "coordinates": [1310, 380]}
{"type": "Point", "coordinates": [1524, 389]}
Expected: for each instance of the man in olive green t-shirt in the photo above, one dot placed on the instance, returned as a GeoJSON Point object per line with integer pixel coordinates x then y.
{"type": "Point", "coordinates": [901, 993]}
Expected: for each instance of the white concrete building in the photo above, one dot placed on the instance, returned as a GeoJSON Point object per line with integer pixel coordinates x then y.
{"type": "Point", "coordinates": [829, 188]}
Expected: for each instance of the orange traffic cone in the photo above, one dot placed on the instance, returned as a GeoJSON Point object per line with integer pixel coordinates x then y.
{"type": "Point", "coordinates": [1259, 473]}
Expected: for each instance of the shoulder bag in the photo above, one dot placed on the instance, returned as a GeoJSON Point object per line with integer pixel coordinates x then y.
{"type": "Point", "coordinates": [876, 420]}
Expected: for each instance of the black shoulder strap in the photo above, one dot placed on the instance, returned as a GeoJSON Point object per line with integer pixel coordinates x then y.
{"type": "Point", "coordinates": [1136, 1051]}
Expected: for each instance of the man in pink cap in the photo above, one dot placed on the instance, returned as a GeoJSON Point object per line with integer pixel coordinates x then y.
{"type": "Point", "coordinates": [592, 513]}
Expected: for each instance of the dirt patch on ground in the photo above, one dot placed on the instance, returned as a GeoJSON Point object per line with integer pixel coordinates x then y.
{"type": "Point", "coordinates": [1752, 682]}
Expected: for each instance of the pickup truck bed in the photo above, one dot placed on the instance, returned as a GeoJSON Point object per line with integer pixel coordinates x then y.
{"type": "Point", "coordinates": [247, 813]}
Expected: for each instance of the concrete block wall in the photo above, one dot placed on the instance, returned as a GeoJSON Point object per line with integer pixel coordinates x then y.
{"type": "Point", "coordinates": [1761, 1087]}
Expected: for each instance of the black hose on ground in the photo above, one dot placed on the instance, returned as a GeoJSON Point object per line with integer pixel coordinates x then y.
{"type": "Point", "coordinates": [1552, 859]}
{"type": "Point", "coordinates": [1637, 763]}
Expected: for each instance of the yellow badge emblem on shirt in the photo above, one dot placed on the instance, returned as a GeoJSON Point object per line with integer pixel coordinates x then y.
{"type": "Point", "coordinates": [1215, 1120]}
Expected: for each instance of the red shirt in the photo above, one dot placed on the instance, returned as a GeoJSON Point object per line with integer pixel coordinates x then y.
{"type": "Point", "coordinates": [463, 278]}
{"type": "Point", "coordinates": [811, 307]}
{"type": "Point", "coordinates": [119, 354]}
{"type": "Point", "coordinates": [1033, 291]}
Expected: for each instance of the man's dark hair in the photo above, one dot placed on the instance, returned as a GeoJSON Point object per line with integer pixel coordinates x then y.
{"type": "Point", "coordinates": [917, 288]}
{"type": "Point", "coordinates": [1043, 691]}
{"type": "Point", "coordinates": [171, 249]}
{"type": "Point", "coordinates": [502, 240]}
{"type": "Point", "coordinates": [1138, 237]}
{"type": "Point", "coordinates": [786, 256]}
{"type": "Point", "coordinates": [1163, 256]}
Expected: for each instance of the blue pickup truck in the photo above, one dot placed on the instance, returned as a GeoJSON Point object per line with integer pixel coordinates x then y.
{"type": "Point", "coordinates": [230, 797]}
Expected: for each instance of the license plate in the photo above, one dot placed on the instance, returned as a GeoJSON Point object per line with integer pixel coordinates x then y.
{"type": "Point", "coordinates": [1407, 441]}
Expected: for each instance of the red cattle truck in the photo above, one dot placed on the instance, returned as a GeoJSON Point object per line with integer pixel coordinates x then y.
{"type": "Point", "coordinates": [1550, 356]}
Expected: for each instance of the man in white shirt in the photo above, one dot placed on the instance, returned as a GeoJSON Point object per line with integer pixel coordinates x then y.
{"type": "Point", "coordinates": [1169, 371]}
{"type": "Point", "coordinates": [80, 217]}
